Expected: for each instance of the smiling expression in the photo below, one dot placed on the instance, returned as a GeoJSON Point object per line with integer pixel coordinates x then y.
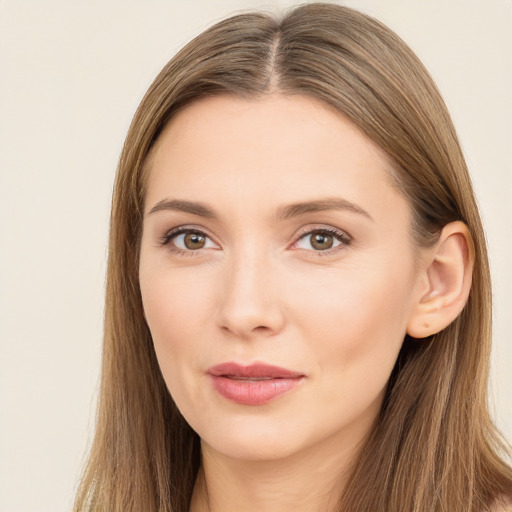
{"type": "Point", "coordinates": [273, 235]}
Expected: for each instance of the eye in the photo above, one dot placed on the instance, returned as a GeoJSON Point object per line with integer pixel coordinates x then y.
{"type": "Point", "coordinates": [323, 241]}
{"type": "Point", "coordinates": [184, 240]}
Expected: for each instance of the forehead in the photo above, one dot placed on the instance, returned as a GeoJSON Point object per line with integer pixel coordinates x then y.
{"type": "Point", "coordinates": [284, 120]}
{"type": "Point", "coordinates": [274, 149]}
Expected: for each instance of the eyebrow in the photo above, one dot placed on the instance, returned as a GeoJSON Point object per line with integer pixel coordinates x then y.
{"type": "Point", "coordinates": [282, 213]}
{"type": "Point", "coordinates": [184, 206]}
{"type": "Point", "coordinates": [329, 203]}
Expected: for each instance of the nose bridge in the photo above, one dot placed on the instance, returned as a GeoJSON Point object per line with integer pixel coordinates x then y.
{"type": "Point", "coordinates": [250, 302]}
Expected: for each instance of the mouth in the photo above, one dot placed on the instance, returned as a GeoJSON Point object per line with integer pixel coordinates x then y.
{"type": "Point", "coordinates": [251, 379]}
{"type": "Point", "coordinates": [254, 384]}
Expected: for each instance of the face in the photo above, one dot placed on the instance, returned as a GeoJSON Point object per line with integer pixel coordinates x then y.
{"type": "Point", "coordinates": [277, 273]}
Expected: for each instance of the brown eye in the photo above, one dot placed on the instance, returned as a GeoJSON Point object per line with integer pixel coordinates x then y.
{"type": "Point", "coordinates": [322, 241]}
{"type": "Point", "coordinates": [186, 241]}
{"type": "Point", "coordinates": [194, 241]}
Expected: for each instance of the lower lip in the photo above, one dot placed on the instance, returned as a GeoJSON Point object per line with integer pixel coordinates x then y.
{"type": "Point", "coordinates": [253, 392]}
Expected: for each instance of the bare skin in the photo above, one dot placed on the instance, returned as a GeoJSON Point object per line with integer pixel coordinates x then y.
{"type": "Point", "coordinates": [328, 293]}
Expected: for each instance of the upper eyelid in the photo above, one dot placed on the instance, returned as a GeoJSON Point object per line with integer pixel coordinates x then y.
{"type": "Point", "coordinates": [302, 231]}
{"type": "Point", "coordinates": [331, 230]}
{"type": "Point", "coordinates": [172, 233]}
{"type": "Point", "coordinates": [342, 234]}
{"type": "Point", "coordinates": [179, 230]}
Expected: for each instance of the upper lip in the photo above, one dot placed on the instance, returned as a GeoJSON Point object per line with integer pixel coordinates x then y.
{"type": "Point", "coordinates": [254, 370]}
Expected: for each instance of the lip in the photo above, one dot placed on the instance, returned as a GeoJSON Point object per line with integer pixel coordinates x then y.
{"type": "Point", "coordinates": [253, 384]}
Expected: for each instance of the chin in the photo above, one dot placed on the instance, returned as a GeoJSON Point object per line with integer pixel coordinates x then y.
{"type": "Point", "coordinates": [252, 438]}
{"type": "Point", "coordinates": [253, 448]}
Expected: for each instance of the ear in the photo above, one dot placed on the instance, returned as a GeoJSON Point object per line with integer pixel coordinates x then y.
{"type": "Point", "coordinates": [445, 281]}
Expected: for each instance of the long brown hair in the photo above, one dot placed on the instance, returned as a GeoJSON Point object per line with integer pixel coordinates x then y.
{"type": "Point", "coordinates": [434, 446]}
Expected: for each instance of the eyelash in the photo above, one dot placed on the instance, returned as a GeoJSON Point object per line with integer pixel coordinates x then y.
{"type": "Point", "coordinates": [342, 237]}
{"type": "Point", "coordinates": [338, 235]}
{"type": "Point", "coordinates": [166, 240]}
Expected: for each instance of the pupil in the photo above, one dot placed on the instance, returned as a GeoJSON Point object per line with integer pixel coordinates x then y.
{"type": "Point", "coordinates": [194, 241]}
{"type": "Point", "coordinates": [322, 241]}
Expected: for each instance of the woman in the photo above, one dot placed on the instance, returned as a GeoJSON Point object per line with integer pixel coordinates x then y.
{"type": "Point", "coordinates": [298, 294]}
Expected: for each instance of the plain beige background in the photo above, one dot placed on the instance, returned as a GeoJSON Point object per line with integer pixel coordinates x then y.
{"type": "Point", "coordinates": [71, 76]}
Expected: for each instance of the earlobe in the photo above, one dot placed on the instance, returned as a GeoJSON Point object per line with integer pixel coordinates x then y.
{"type": "Point", "coordinates": [447, 279]}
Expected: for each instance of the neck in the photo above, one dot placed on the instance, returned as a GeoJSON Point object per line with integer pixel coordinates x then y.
{"type": "Point", "coordinates": [313, 478]}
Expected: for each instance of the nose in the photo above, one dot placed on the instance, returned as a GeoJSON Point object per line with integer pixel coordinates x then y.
{"type": "Point", "coordinates": [250, 298]}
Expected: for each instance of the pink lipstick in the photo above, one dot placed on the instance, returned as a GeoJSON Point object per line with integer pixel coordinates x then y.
{"type": "Point", "coordinates": [254, 384]}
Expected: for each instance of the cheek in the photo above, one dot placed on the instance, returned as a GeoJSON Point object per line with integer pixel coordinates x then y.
{"type": "Point", "coordinates": [355, 323]}
{"type": "Point", "coordinates": [178, 310]}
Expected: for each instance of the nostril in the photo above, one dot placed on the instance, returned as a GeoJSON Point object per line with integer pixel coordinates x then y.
{"type": "Point", "coordinates": [244, 315]}
{"type": "Point", "coordinates": [262, 328]}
